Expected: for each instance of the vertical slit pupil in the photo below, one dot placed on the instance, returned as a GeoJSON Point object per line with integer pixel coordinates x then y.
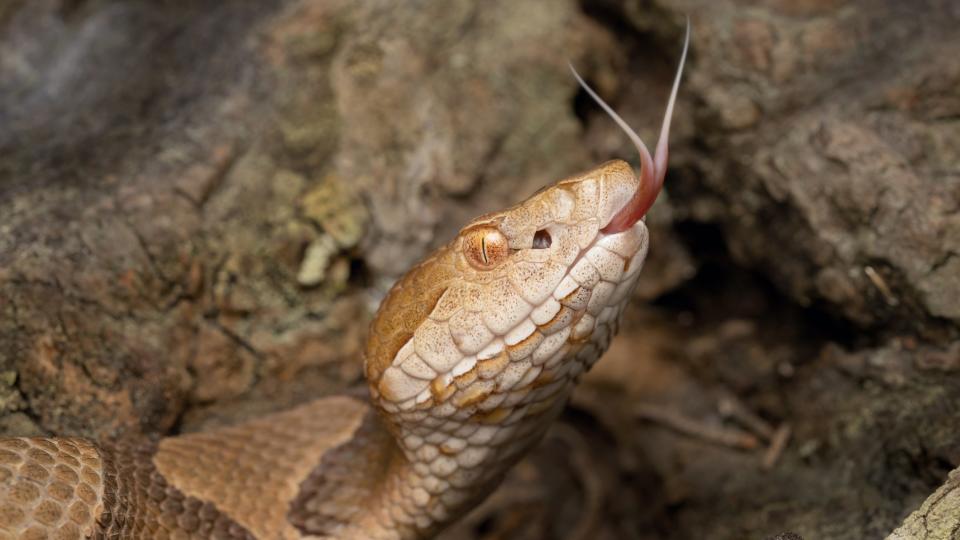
{"type": "Point", "coordinates": [542, 240]}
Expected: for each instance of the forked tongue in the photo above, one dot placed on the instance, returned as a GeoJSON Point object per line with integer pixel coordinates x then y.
{"type": "Point", "coordinates": [652, 170]}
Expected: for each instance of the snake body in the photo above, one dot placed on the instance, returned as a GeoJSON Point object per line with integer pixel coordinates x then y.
{"type": "Point", "coordinates": [470, 357]}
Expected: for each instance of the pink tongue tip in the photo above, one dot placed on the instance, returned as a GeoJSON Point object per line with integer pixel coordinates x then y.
{"type": "Point", "coordinates": [652, 170]}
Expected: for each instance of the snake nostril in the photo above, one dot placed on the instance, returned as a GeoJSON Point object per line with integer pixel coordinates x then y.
{"type": "Point", "coordinates": [542, 240]}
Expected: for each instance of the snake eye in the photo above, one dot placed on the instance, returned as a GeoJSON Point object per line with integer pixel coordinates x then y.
{"type": "Point", "coordinates": [484, 247]}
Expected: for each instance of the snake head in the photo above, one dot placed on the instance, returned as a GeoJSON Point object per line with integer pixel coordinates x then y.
{"type": "Point", "coordinates": [502, 306]}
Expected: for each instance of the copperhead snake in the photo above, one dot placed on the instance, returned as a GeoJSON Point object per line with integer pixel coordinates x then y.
{"type": "Point", "coordinates": [470, 357]}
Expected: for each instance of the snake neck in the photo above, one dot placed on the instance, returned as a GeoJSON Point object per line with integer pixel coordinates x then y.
{"type": "Point", "coordinates": [438, 472]}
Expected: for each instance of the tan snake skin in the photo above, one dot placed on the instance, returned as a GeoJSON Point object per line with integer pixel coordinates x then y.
{"type": "Point", "coordinates": [471, 355]}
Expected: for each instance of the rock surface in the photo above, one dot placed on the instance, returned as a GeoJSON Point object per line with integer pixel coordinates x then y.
{"type": "Point", "coordinates": [201, 204]}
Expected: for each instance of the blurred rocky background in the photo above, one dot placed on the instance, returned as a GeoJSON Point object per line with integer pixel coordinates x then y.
{"type": "Point", "coordinates": [202, 202]}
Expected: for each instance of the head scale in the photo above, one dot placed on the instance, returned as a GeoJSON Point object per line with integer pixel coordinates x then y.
{"type": "Point", "coordinates": [478, 347]}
